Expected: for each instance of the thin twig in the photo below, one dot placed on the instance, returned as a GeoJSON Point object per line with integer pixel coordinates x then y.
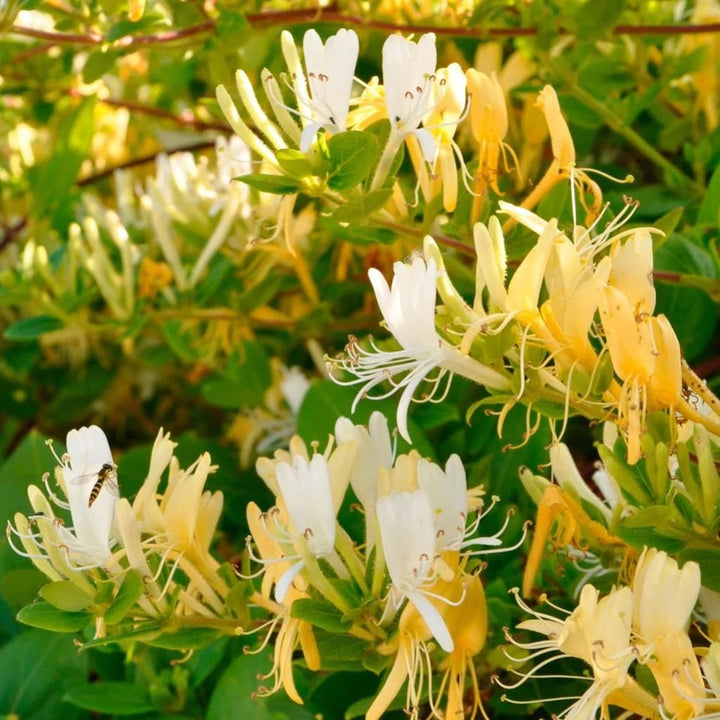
{"type": "Point", "coordinates": [189, 121]}
{"type": "Point", "coordinates": [333, 15]}
{"type": "Point", "coordinates": [124, 42]}
{"type": "Point", "coordinates": [313, 15]}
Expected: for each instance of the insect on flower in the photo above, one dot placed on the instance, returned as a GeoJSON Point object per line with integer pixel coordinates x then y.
{"type": "Point", "coordinates": [106, 474]}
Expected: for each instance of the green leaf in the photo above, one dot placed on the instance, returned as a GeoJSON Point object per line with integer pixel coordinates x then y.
{"type": "Point", "coordinates": [276, 184]}
{"type": "Point", "coordinates": [353, 155]}
{"type": "Point", "coordinates": [358, 210]}
{"type": "Point", "coordinates": [294, 163]}
{"type": "Point", "coordinates": [46, 617]}
{"type": "Point", "coordinates": [97, 64]}
{"type": "Point", "coordinates": [667, 223]}
{"type": "Point", "coordinates": [340, 653]}
{"type": "Point", "coordinates": [128, 594]}
{"type": "Point", "coordinates": [25, 466]}
{"type": "Point", "coordinates": [235, 693]}
{"type": "Point", "coordinates": [320, 613]}
{"type": "Point", "coordinates": [37, 669]}
{"type": "Point", "coordinates": [690, 311]}
{"type": "Point", "coordinates": [244, 382]}
{"type": "Point", "coordinates": [654, 526]}
{"type": "Point", "coordinates": [65, 595]}
{"type": "Point", "coordinates": [179, 342]}
{"type": "Point", "coordinates": [31, 328]}
{"type": "Point", "coordinates": [203, 661]}
{"type": "Point", "coordinates": [630, 478]}
{"type": "Point", "coordinates": [111, 698]}
{"type": "Point", "coordinates": [56, 178]}
{"type": "Point", "coordinates": [596, 20]}
{"type": "Point", "coordinates": [709, 213]}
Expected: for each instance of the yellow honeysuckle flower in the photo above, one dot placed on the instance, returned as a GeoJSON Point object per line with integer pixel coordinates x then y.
{"type": "Point", "coordinates": [468, 626]}
{"type": "Point", "coordinates": [706, 78]}
{"type": "Point", "coordinates": [441, 120]}
{"type": "Point", "coordinates": [489, 126]}
{"type": "Point", "coordinates": [598, 632]}
{"type": "Point", "coordinates": [664, 598]}
{"type": "Point", "coordinates": [563, 164]}
{"type": "Point", "coordinates": [411, 657]}
{"type": "Point", "coordinates": [292, 631]}
{"type": "Point", "coordinates": [646, 356]}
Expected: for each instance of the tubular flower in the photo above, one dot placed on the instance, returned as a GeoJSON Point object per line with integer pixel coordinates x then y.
{"type": "Point", "coordinates": [180, 522]}
{"type": "Point", "coordinates": [411, 665]}
{"type": "Point", "coordinates": [645, 354]}
{"type": "Point", "coordinates": [489, 125]}
{"type": "Point", "coordinates": [468, 625]}
{"type": "Point", "coordinates": [408, 80]}
{"type": "Point", "coordinates": [330, 69]}
{"type": "Point", "coordinates": [665, 596]}
{"type": "Point", "coordinates": [441, 120]}
{"type": "Point", "coordinates": [598, 632]}
{"type": "Point", "coordinates": [408, 308]}
{"type": "Point", "coordinates": [302, 525]}
{"type": "Point", "coordinates": [305, 491]}
{"type": "Point", "coordinates": [110, 539]}
{"type": "Point", "coordinates": [374, 451]}
{"type": "Point", "coordinates": [658, 576]}
{"type": "Point", "coordinates": [408, 539]}
{"type": "Point", "coordinates": [292, 631]}
{"type": "Point", "coordinates": [563, 165]}
{"type": "Point", "coordinates": [88, 478]}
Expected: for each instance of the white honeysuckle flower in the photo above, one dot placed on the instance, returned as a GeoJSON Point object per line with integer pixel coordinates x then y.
{"type": "Point", "coordinates": [665, 595]}
{"type": "Point", "coordinates": [89, 463]}
{"type": "Point", "coordinates": [447, 492]}
{"type": "Point", "coordinates": [330, 74]}
{"type": "Point", "coordinates": [408, 309]}
{"type": "Point", "coordinates": [306, 492]}
{"type": "Point", "coordinates": [305, 488]}
{"type": "Point", "coordinates": [88, 477]}
{"type": "Point", "coordinates": [408, 78]}
{"type": "Point", "coordinates": [374, 451]}
{"type": "Point", "coordinates": [407, 533]}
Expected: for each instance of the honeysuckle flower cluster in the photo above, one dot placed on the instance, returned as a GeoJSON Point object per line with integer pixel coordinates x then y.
{"type": "Point", "coordinates": [188, 195]}
{"type": "Point", "coordinates": [160, 537]}
{"type": "Point", "coordinates": [416, 559]}
{"type": "Point", "coordinates": [581, 308]}
{"type": "Point", "coordinates": [645, 623]}
{"type": "Point", "coordinates": [422, 103]}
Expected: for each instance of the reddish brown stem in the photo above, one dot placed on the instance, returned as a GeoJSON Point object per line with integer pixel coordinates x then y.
{"type": "Point", "coordinates": [333, 15]}
{"type": "Point", "coordinates": [125, 42]}
{"type": "Point", "coordinates": [189, 121]}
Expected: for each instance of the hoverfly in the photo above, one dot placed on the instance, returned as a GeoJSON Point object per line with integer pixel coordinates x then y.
{"type": "Point", "coordinates": [106, 474]}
